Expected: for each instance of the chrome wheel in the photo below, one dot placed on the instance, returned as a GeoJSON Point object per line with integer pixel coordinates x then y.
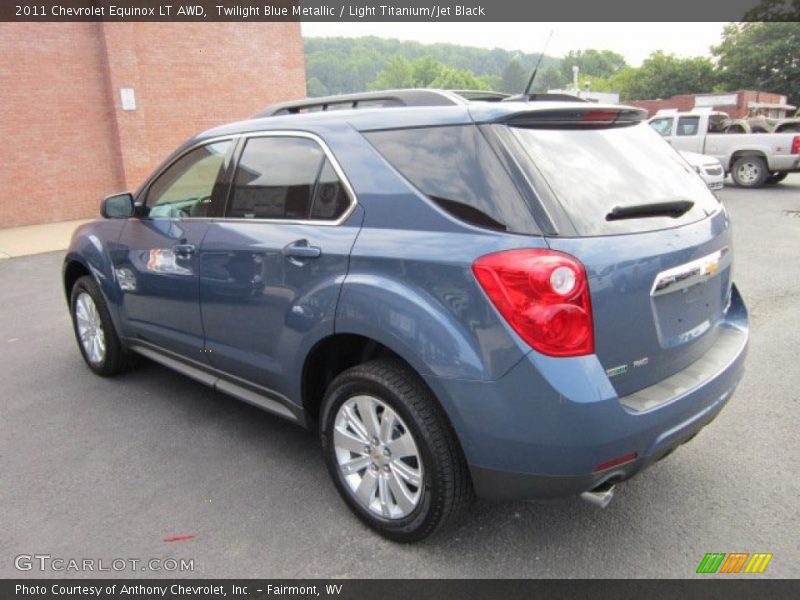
{"type": "Point", "coordinates": [90, 328]}
{"type": "Point", "coordinates": [748, 172]}
{"type": "Point", "coordinates": [377, 457]}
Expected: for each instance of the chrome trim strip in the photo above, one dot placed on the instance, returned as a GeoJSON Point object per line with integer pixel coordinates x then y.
{"type": "Point", "coordinates": [334, 163]}
{"type": "Point", "coordinates": [231, 385]}
{"type": "Point", "coordinates": [726, 350]}
{"type": "Point", "coordinates": [256, 399]}
{"type": "Point", "coordinates": [256, 134]}
{"type": "Point", "coordinates": [690, 273]}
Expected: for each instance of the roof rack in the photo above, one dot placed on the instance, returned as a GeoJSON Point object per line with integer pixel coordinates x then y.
{"type": "Point", "coordinates": [412, 97]}
{"type": "Point", "coordinates": [545, 97]}
{"type": "Point", "coordinates": [482, 95]}
{"type": "Point", "coordinates": [408, 97]}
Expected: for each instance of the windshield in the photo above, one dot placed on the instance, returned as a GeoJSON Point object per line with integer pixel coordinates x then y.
{"type": "Point", "coordinates": [592, 171]}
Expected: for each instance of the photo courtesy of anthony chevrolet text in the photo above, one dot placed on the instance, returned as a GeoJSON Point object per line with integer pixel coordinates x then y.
{"type": "Point", "coordinates": [410, 299]}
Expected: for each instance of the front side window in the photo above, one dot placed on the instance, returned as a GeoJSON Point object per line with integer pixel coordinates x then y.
{"type": "Point", "coordinates": [286, 178]}
{"type": "Point", "coordinates": [186, 187]}
{"type": "Point", "coordinates": [662, 126]}
{"type": "Point", "coordinates": [688, 125]}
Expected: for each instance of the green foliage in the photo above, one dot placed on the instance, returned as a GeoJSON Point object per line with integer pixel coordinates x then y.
{"type": "Point", "coordinates": [761, 56]}
{"type": "Point", "coordinates": [596, 63]}
{"type": "Point", "coordinates": [344, 65]}
{"type": "Point", "coordinates": [774, 10]}
{"type": "Point", "coordinates": [425, 72]}
{"type": "Point", "coordinates": [513, 79]}
{"type": "Point", "coordinates": [664, 75]}
{"type": "Point", "coordinates": [550, 79]}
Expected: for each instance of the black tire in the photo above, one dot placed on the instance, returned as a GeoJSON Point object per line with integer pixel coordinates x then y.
{"type": "Point", "coordinates": [749, 171]}
{"type": "Point", "coordinates": [446, 491]}
{"type": "Point", "coordinates": [775, 178]}
{"type": "Point", "coordinates": [115, 359]}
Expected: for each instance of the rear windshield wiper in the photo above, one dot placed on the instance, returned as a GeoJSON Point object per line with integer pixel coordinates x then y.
{"type": "Point", "coordinates": [672, 209]}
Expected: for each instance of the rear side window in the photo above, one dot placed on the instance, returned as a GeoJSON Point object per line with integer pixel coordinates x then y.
{"type": "Point", "coordinates": [688, 125]}
{"type": "Point", "coordinates": [456, 168]}
{"type": "Point", "coordinates": [592, 171]}
{"type": "Point", "coordinates": [286, 178]}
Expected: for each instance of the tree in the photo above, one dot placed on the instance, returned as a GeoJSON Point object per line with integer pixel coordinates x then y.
{"type": "Point", "coordinates": [315, 88]}
{"type": "Point", "coordinates": [664, 75]}
{"type": "Point", "coordinates": [761, 56]}
{"type": "Point", "coordinates": [456, 79]}
{"type": "Point", "coordinates": [425, 72]}
{"type": "Point", "coordinates": [398, 74]}
{"type": "Point", "coordinates": [344, 65]}
{"type": "Point", "coordinates": [551, 79]}
{"type": "Point", "coordinates": [598, 63]}
{"type": "Point", "coordinates": [514, 78]}
{"type": "Point", "coordinates": [774, 10]}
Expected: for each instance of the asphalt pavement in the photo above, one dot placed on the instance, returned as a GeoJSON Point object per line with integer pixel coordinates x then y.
{"type": "Point", "coordinates": [107, 468]}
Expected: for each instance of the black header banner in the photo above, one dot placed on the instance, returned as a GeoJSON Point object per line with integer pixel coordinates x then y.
{"type": "Point", "coordinates": [397, 10]}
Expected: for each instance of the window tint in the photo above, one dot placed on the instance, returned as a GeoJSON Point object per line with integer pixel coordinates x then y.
{"type": "Point", "coordinates": [275, 178]}
{"type": "Point", "coordinates": [688, 125]}
{"type": "Point", "coordinates": [456, 168]}
{"type": "Point", "coordinates": [593, 171]}
{"type": "Point", "coordinates": [185, 188]}
{"type": "Point", "coordinates": [662, 126]}
{"type": "Point", "coordinates": [330, 199]}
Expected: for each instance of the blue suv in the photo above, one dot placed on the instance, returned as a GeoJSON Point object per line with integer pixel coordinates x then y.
{"type": "Point", "coordinates": [508, 299]}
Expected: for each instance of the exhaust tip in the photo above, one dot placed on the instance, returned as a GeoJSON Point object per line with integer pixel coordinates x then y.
{"type": "Point", "coordinates": [600, 496]}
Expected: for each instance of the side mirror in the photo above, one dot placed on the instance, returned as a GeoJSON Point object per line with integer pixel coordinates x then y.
{"type": "Point", "coordinates": [117, 206]}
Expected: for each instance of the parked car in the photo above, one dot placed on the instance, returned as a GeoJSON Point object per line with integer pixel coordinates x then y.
{"type": "Point", "coordinates": [752, 159]}
{"type": "Point", "coordinates": [708, 167]}
{"type": "Point", "coordinates": [514, 300]}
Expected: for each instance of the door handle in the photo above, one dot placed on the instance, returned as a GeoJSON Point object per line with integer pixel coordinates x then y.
{"type": "Point", "coordinates": [301, 249]}
{"type": "Point", "coordinates": [184, 250]}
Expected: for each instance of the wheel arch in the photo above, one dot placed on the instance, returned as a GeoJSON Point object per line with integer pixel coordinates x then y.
{"type": "Point", "coordinates": [336, 353]}
{"type": "Point", "coordinates": [744, 153]}
{"type": "Point", "coordinates": [74, 269]}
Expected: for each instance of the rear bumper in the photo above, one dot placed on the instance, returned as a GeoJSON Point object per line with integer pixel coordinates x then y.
{"type": "Point", "coordinates": [541, 431]}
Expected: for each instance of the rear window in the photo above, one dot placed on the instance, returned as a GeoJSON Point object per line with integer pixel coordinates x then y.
{"type": "Point", "coordinates": [456, 168]}
{"type": "Point", "coordinates": [592, 171]}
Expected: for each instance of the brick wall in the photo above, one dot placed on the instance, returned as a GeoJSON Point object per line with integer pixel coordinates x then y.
{"type": "Point", "coordinates": [686, 102]}
{"type": "Point", "coordinates": [67, 141]}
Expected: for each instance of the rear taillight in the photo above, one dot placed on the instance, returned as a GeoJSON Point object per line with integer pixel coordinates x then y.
{"type": "Point", "coordinates": [796, 144]}
{"type": "Point", "coordinates": [544, 296]}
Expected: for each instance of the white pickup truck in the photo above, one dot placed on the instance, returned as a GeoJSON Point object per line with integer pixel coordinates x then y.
{"type": "Point", "coordinates": [752, 159]}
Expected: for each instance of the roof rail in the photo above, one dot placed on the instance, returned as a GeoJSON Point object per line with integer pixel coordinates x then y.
{"type": "Point", "coordinates": [545, 97]}
{"type": "Point", "coordinates": [411, 97]}
{"type": "Point", "coordinates": [481, 95]}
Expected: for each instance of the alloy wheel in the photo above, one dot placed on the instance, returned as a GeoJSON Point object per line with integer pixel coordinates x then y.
{"type": "Point", "coordinates": [90, 328]}
{"type": "Point", "coordinates": [378, 457]}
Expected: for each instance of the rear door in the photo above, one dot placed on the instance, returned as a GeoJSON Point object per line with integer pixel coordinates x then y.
{"type": "Point", "coordinates": [659, 281]}
{"type": "Point", "coordinates": [272, 268]}
{"type": "Point", "coordinates": [688, 135]}
{"type": "Point", "coordinates": [156, 263]}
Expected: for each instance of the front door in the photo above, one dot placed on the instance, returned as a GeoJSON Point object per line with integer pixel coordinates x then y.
{"type": "Point", "coordinates": [156, 263]}
{"type": "Point", "coordinates": [271, 270]}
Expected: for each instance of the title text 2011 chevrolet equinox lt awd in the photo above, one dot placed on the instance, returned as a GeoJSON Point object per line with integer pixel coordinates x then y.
{"type": "Point", "coordinates": [514, 300]}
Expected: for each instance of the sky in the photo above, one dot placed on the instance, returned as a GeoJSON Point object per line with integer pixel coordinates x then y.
{"type": "Point", "coordinates": [635, 41]}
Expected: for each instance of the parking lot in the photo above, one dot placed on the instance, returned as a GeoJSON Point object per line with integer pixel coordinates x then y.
{"type": "Point", "coordinates": [106, 468]}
